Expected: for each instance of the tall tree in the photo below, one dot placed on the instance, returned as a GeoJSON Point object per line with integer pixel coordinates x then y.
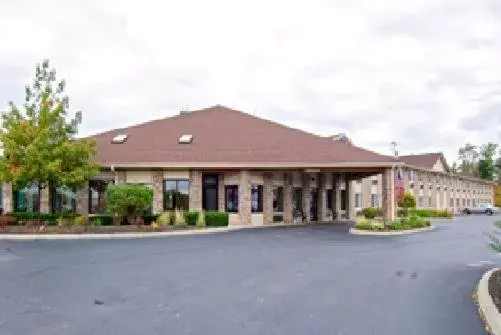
{"type": "Point", "coordinates": [486, 166]}
{"type": "Point", "coordinates": [468, 160]}
{"type": "Point", "coordinates": [39, 144]}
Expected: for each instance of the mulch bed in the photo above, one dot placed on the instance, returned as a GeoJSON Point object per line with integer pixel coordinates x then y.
{"type": "Point", "coordinates": [89, 230]}
{"type": "Point", "coordinates": [495, 288]}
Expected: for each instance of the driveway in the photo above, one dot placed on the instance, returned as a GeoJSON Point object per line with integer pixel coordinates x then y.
{"type": "Point", "coordinates": [300, 280]}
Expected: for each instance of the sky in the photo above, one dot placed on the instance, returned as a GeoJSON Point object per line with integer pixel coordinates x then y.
{"type": "Point", "coordinates": [423, 73]}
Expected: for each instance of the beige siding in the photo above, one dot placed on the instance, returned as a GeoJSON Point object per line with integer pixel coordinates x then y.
{"type": "Point", "coordinates": [181, 174]}
{"type": "Point", "coordinates": [138, 177]}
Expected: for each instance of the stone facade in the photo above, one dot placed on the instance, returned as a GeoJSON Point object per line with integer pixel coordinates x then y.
{"type": "Point", "coordinates": [158, 191]}
{"type": "Point", "coordinates": [195, 201]}
{"type": "Point", "coordinates": [220, 193]}
{"type": "Point", "coordinates": [8, 201]}
{"type": "Point", "coordinates": [83, 200]}
{"type": "Point", "coordinates": [305, 180]}
{"type": "Point", "coordinates": [45, 200]}
{"type": "Point", "coordinates": [288, 198]}
{"type": "Point", "coordinates": [322, 197]}
{"type": "Point", "coordinates": [388, 203]}
{"type": "Point", "coordinates": [244, 198]}
{"type": "Point", "coordinates": [268, 198]}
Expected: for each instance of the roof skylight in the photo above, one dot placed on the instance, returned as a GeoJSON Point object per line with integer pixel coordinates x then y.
{"type": "Point", "coordinates": [186, 139]}
{"type": "Point", "coordinates": [120, 138]}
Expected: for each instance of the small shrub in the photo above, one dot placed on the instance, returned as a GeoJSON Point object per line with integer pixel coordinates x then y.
{"type": "Point", "coordinates": [370, 212]}
{"type": "Point", "coordinates": [97, 222]}
{"type": "Point", "coordinates": [104, 220]}
{"type": "Point", "coordinates": [366, 224]}
{"type": "Point", "coordinates": [154, 225]}
{"type": "Point", "coordinates": [149, 218]}
{"type": "Point", "coordinates": [495, 241]}
{"type": "Point", "coordinates": [201, 219]}
{"type": "Point", "coordinates": [191, 218]}
{"type": "Point", "coordinates": [79, 221]}
{"type": "Point", "coordinates": [164, 219]}
{"type": "Point", "coordinates": [216, 219]}
{"type": "Point", "coordinates": [179, 219]}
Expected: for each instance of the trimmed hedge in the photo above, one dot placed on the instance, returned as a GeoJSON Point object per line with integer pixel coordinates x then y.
{"type": "Point", "coordinates": [191, 218]}
{"type": "Point", "coordinates": [371, 212]}
{"type": "Point", "coordinates": [105, 220]}
{"type": "Point", "coordinates": [216, 219]}
{"type": "Point", "coordinates": [426, 213]}
{"type": "Point", "coordinates": [412, 222]}
{"type": "Point", "coordinates": [278, 218]}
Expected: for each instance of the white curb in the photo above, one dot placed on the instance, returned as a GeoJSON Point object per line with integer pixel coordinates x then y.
{"type": "Point", "coordinates": [355, 231]}
{"type": "Point", "coordinates": [487, 307]}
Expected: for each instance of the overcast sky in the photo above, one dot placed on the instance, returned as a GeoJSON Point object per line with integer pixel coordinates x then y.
{"type": "Point", "coordinates": [423, 73]}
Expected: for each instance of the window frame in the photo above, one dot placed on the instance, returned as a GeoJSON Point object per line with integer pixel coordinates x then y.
{"type": "Point", "coordinates": [231, 190]}
{"type": "Point", "coordinates": [259, 190]}
{"type": "Point", "coordinates": [176, 197]}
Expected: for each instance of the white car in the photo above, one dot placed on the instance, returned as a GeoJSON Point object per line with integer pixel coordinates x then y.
{"type": "Point", "coordinates": [481, 209]}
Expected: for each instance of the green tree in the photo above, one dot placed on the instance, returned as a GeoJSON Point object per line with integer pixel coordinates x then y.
{"type": "Point", "coordinates": [468, 156]}
{"type": "Point", "coordinates": [39, 145]}
{"type": "Point", "coordinates": [486, 164]}
{"type": "Point", "coordinates": [129, 200]}
{"type": "Point", "coordinates": [408, 201]}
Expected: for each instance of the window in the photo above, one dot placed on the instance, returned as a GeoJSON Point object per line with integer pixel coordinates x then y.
{"type": "Point", "coordinates": [374, 181]}
{"type": "Point", "coordinates": [297, 199]}
{"type": "Point", "coordinates": [421, 186]}
{"type": "Point", "coordinates": [429, 201]}
{"type": "Point", "coordinates": [452, 202]}
{"type": "Point", "coordinates": [374, 200]}
{"type": "Point", "coordinates": [457, 202]}
{"type": "Point", "coordinates": [359, 181]}
{"type": "Point", "coordinates": [358, 200]}
{"type": "Point", "coordinates": [411, 175]}
{"type": "Point", "coordinates": [257, 198]}
{"type": "Point", "coordinates": [473, 202]}
{"type": "Point", "coordinates": [26, 199]}
{"type": "Point", "coordinates": [63, 200]}
{"type": "Point", "coordinates": [120, 138]}
{"type": "Point", "coordinates": [278, 199]}
{"type": "Point", "coordinates": [329, 199]}
{"type": "Point", "coordinates": [97, 195]}
{"type": "Point", "coordinates": [176, 194]}
{"type": "Point", "coordinates": [231, 198]}
{"type": "Point", "coordinates": [411, 185]}
{"type": "Point", "coordinates": [210, 184]}
{"type": "Point", "coordinates": [343, 200]}
{"type": "Point", "coordinates": [464, 202]}
{"type": "Point", "coordinates": [186, 139]}
{"type": "Point", "coordinates": [420, 202]}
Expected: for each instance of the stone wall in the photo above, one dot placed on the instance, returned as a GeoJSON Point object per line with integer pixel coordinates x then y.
{"type": "Point", "coordinates": [244, 198]}
{"type": "Point", "coordinates": [268, 198]}
{"type": "Point", "coordinates": [195, 201]}
{"type": "Point", "coordinates": [158, 191]}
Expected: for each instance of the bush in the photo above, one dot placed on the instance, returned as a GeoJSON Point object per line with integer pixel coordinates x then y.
{"type": "Point", "coordinates": [426, 213]}
{"type": "Point", "coordinates": [216, 219]}
{"type": "Point", "coordinates": [411, 222]}
{"type": "Point", "coordinates": [104, 220]}
{"type": "Point", "coordinates": [129, 199]}
{"type": "Point", "coordinates": [201, 219]}
{"type": "Point", "coordinates": [367, 224]}
{"type": "Point", "coordinates": [164, 219]}
{"type": "Point", "coordinates": [47, 218]}
{"type": "Point", "coordinates": [179, 219]}
{"type": "Point", "coordinates": [191, 218]}
{"type": "Point", "coordinates": [370, 212]}
{"type": "Point", "coordinates": [79, 221]}
{"type": "Point", "coordinates": [495, 243]}
{"type": "Point", "coordinates": [149, 218]}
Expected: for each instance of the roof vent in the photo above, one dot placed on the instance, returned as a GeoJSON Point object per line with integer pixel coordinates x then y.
{"type": "Point", "coordinates": [120, 138]}
{"type": "Point", "coordinates": [186, 139]}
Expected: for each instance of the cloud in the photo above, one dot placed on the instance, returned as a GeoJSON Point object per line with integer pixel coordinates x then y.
{"type": "Point", "coordinates": [423, 73]}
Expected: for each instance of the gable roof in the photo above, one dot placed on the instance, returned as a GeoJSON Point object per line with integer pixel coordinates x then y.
{"type": "Point", "coordinates": [225, 136]}
{"type": "Point", "coordinates": [426, 161]}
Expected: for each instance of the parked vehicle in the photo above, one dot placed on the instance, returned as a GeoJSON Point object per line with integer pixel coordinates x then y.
{"type": "Point", "coordinates": [481, 209]}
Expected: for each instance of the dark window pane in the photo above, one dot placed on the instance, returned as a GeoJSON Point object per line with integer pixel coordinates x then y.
{"type": "Point", "coordinates": [210, 192]}
{"type": "Point", "coordinates": [63, 200]}
{"type": "Point", "coordinates": [278, 199]}
{"type": "Point", "coordinates": [26, 199]}
{"type": "Point", "coordinates": [329, 199]}
{"type": "Point", "coordinates": [231, 198]}
{"type": "Point", "coordinates": [176, 194]}
{"type": "Point", "coordinates": [257, 198]}
{"type": "Point", "coordinates": [343, 200]}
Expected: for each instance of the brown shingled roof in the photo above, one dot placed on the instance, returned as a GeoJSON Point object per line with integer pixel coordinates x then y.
{"type": "Point", "coordinates": [426, 161]}
{"type": "Point", "coordinates": [222, 135]}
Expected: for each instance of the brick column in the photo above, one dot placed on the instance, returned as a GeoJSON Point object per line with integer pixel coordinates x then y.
{"type": "Point", "coordinates": [244, 198]}
{"type": "Point", "coordinates": [267, 198]}
{"type": "Point", "coordinates": [322, 197]}
{"type": "Point", "coordinates": [220, 192]}
{"type": "Point", "coordinates": [350, 198]}
{"type": "Point", "coordinates": [45, 200]}
{"type": "Point", "coordinates": [195, 196]}
{"type": "Point", "coordinates": [158, 191]}
{"type": "Point", "coordinates": [288, 198]}
{"type": "Point", "coordinates": [388, 205]}
{"type": "Point", "coordinates": [8, 201]}
{"type": "Point", "coordinates": [305, 178]}
{"type": "Point", "coordinates": [83, 200]}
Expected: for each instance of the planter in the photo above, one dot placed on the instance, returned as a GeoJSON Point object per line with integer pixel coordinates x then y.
{"type": "Point", "coordinates": [355, 231]}
{"type": "Point", "coordinates": [487, 308]}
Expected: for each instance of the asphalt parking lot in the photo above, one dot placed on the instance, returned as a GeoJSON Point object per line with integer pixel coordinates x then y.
{"type": "Point", "coordinates": [300, 280]}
